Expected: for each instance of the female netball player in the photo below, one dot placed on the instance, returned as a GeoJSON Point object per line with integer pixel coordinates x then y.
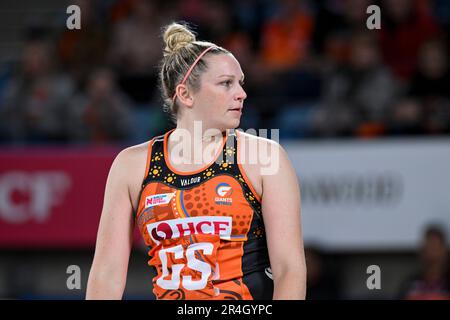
{"type": "Point", "coordinates": [216, 228]}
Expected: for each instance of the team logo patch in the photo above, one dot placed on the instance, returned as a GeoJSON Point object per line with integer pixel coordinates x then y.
{"type": "Point", "coordinates": [224, 192]}
{"type": "Point", "coordinates": [158, 199]}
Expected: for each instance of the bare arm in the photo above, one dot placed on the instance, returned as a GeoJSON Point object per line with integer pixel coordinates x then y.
{"type": "Point", "coordinates": [282, 218]}
{"type": "Point", "coordinates": [108, 273]}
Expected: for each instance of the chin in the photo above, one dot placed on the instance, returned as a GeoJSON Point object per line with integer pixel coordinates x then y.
{"type": "Point", "coordinates": [233, 123]}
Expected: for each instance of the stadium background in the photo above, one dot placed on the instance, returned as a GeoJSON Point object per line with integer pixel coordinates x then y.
{"type": "Point", "coordinates": [364, 115]}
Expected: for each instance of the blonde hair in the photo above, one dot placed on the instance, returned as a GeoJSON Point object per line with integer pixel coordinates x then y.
{"type": "Point", "coordinates": [180, 52]}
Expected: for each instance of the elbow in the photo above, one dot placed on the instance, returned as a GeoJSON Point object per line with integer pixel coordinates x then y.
{"type": "Point", "coordinates": [290, 283]}
{"type": "Point", "coordinates": [103, 286]}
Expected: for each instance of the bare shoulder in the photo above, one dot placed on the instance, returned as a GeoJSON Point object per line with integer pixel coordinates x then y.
{"type": "Point", "coordinates": [133, 157]}
{"type": "Point", "coordinates": [251, 138]}
{"type": "Point", "coordinates": [257, 157]}
{"type": "Point", "coordinates": [262, 150]}
{"type": "Point", "coordinates": [133, 153]}
{"type": "Point", "coordinates": [129, 166]}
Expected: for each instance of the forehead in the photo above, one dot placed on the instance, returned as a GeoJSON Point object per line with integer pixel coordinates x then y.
{"type": "Point", "coordinates": [222, 64]}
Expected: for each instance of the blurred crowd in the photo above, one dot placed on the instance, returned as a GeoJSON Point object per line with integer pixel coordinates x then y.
{"type": "Point", "coordinates": [429, 279]}
{"type": "Point", "coordinates": [313, 69]}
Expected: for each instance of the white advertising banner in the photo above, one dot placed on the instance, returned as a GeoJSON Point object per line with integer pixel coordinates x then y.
{"type": "Point", "coordinates": [372, 195]}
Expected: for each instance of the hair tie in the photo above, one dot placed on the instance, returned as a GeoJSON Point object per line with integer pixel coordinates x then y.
{"type": "Point", "coordinates": [190, 70]}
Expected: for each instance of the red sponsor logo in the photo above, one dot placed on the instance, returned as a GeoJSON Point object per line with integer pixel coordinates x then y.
{"type": "Point", "coordinates": [177, 228]}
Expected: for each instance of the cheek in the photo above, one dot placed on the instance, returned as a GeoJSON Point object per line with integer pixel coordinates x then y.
{"type": "Point", "coordinates": [215, 101]}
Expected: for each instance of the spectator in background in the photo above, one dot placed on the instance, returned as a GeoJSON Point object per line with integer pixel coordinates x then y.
{"type": "Point", "coordinates": [433, 280]}
{"type": "Point", "coordinates": [80, 51]}
{"type": "Point", "coordinates": [286, 36]}
{"type": "Point", "coordinates": [249, 17]}
{"type": "Point", "coordinates": [35, 100]}
{"type": "Point", "coordinates": [135, 50]}
{"type": "Point", "coordinates": [213, 18]}
{"type": "Point", "coordinates": [336, 22]}
{"type": "Point", "coordinates": [194, 11]}
{"type": "Point", "coordinates": [357, 95]}
{"type": "Point", "coordinates": [432, 77]}
{"type": "Point", "coordinates": [405, 27]}
{"type": "Point", "coordinates": [431, 86]}
{"type": "Point", "coordinates": [284, 53]}
{"type": "Point", "coordinates": [426, 107]}
{"type": "Point", "coordinates": [441, 11]}
{"type": "Point", "coordinates": [102, 114]}
{"type": "Point", "coordinates": [406, 118]}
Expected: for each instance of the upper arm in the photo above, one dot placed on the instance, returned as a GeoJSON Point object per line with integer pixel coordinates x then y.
{"type": "Point", "coordinates": [282, 214]}
{"type": "Point", "coordinates": [115, 232]}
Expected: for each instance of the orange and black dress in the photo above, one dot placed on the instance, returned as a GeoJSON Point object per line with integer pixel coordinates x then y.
{"type": "Point", "coordinates": [204, 229]}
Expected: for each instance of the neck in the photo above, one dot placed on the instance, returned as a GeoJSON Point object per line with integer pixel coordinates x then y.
{"type": "Point", "coordinates": [199, 132]}
{"type": "Point", "coordinates": [196, 141]}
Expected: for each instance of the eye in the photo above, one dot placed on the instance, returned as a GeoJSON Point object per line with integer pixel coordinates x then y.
{"type": "Point", "coordinates": [227, 83]}
{"type": "Point", "coordinates": [242, 83]}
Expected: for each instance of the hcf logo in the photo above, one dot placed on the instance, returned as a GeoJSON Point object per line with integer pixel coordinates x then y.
{"type": "Point", "coordinates": [176, 228]}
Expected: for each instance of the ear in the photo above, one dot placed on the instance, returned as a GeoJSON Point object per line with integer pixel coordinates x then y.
{"type": "Point", "coordinates": [184, 95]}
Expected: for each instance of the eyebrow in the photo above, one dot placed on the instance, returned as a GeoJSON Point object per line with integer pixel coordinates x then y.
{"type": "Point", "coordinates": [231, 76]}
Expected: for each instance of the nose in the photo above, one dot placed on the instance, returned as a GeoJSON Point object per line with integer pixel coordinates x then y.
{"type": "Point", "coordinates": [241, 94]}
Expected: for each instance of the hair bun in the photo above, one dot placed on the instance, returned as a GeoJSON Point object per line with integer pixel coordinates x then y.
{"type": "Point", "coordinates": [177, 36]}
